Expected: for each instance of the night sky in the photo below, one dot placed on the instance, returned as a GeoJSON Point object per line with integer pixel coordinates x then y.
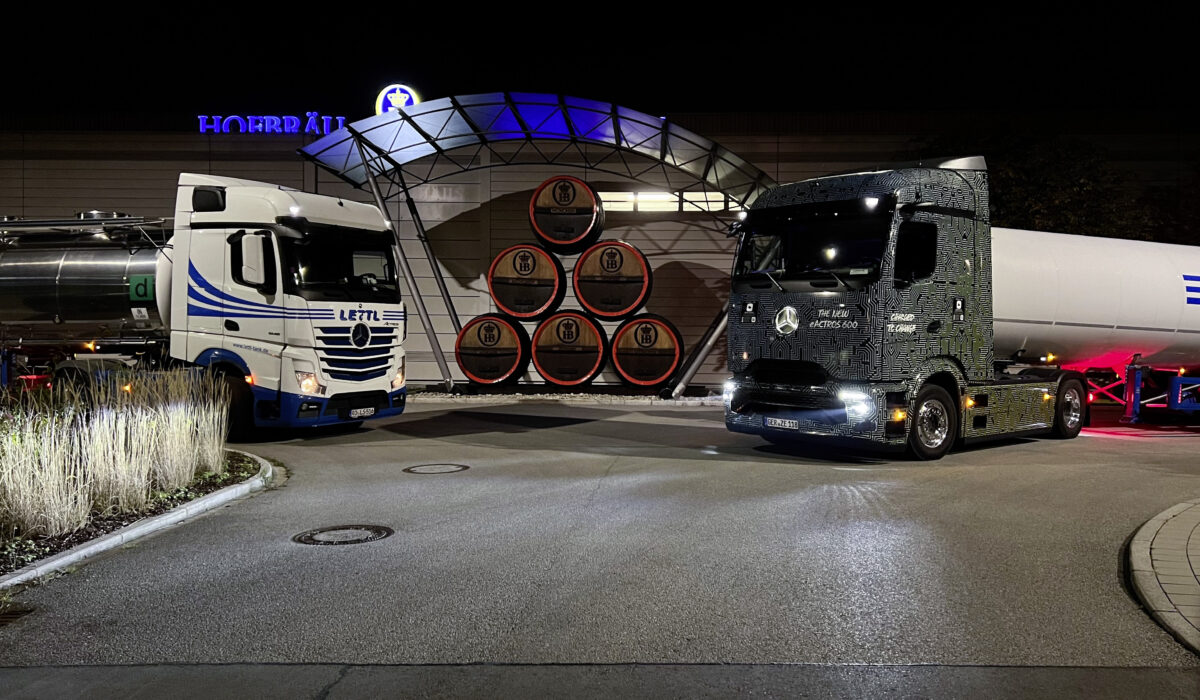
{"type": "Point", "coordinates": [142, 68]}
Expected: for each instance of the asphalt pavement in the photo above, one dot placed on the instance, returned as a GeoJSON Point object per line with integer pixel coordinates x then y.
{"type": "Point", "coordinates": [620, 537]}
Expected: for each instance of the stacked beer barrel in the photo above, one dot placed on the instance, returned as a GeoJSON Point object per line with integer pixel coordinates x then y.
{"type": "Point", "coordinates": [611, 280]}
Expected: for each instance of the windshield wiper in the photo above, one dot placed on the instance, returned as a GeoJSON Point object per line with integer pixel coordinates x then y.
{"type": "Point", "coordinates": [766, 274]}
{"type": "Point", "coordinates": [826, 271]}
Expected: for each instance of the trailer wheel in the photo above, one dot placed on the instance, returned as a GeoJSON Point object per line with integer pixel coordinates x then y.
{"type": "Point", "coordinates": [240, 422]}
{"type": "Point", "coordinates": [73, 385]}
{"type": "Point", "coordinates": [934, 423]}
{"type": "Point", "coordinates": [1068, 410]}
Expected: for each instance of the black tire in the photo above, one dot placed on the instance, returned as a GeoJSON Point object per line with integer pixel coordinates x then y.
{"type": "Point", "coordinates": [1069, 409]}
{"type": "Point", "coordinates": [240, 422]}
{"type": "Point", "coordinates": [934, 423]}
{"type": "Point", "coordinates": [72, 384]}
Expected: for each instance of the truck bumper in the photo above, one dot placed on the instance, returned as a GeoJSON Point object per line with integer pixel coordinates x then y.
{"type": "Point", "coordinates": [299, 410]}
{"type": "Point", "coordinates": [825, 414]}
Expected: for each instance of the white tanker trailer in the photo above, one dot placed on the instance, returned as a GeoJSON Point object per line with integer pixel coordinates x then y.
{"type": "Point", "coordinates": [881, 308]}
{"type": "Point", "coordinates": [1095, 302]}
{"type": "Point", "coordinates": [293, 297]}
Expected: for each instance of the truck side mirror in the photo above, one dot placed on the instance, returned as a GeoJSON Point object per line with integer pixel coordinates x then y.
{"type": "Point", "coordinates": [254, 268]}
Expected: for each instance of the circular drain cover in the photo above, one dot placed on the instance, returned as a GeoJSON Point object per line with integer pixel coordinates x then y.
{"type": "Point", "coordinates": [437, 468]}
{"type": "Point", "coordinates": [343, 534]}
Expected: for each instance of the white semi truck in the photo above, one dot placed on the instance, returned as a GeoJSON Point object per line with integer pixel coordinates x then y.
{"type": "Point", "coordinates": [294, 298]}
{"type": "Point", "coordinates": [881, 308]}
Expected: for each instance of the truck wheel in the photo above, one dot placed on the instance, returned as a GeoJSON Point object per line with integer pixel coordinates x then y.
{"type": "Point", "coordinates": [1068, 410]}
{"type": "Point", "coordinates": [934, 423]}
{"type": "Point", "coordinates": [72, 385]}
{"type": "Point", "coordinates": [240, 423]}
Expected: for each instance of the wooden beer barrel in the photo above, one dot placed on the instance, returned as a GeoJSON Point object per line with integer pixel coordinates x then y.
{"type": "Point", "coordinates": [646, 351]}
{"type": "Point", "coordinates": [569, 348]}
{"type": "Point", "coordinates": [612, 280]}
{"type": "Point", "coordinates": [526, 282]}
{"type": "Point", "coordinates": [492, 350]}
{"type": "Point", "coordinates": [566, 214]}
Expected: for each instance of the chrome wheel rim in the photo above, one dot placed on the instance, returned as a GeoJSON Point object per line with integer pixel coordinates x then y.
{"type": "Point", "coordinates": [1072, 408]}
{"type": "Point", "coordinates": [933, 424]}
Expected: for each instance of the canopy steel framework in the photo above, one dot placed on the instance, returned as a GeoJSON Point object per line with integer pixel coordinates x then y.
{"type": "Point", "coordinates": [451, 135]}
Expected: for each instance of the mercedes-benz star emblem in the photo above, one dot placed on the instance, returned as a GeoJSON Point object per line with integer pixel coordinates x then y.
{"type": "Point", "coordinates": [360, 335]}
{"type": "Point", "coordinates": [787, 320]}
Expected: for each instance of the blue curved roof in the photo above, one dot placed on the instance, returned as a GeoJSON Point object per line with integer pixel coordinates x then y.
{"type": "Point", "coordinates": [445, 136]}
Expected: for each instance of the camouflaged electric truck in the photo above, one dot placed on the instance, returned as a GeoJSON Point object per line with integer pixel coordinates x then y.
{"type": "Point", "coordinates": [861, 311]}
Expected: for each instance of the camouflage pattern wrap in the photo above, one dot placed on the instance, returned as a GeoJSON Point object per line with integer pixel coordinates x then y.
{"type": "Point", "coordinates": [885, 340]}
{"type": "Point", "coordinates": [881, 333]}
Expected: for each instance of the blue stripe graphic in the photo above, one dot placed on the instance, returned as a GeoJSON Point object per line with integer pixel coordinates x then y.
{"type": "Point", "coordinates": [194, 310]}
{"type": "Point", "coordinates": [1193, 289]}
{"type": "Point", "coordinates": [269, 311]}
{"type": "Point", "coordinates": [195, 276]}
{"type": "Point", "coordinates": [1192, 278]}
{"type": "Point", "coordinates": [196, 295]}
{"type": "Point", "coordinates": [1193, 300]}
{"type": "Point", "coordinates": [243, 305]}
{"type": "Point", "coordinates": [223, 305]}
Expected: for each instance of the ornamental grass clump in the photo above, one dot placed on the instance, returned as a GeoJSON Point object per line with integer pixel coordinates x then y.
{"type": "Point", "coordinates": [107, 449]}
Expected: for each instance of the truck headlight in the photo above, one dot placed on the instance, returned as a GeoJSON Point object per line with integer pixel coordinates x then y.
{"type": "Point", "coordinates": [398, 380]}
{"type": "Point", "coordinates": [308, 383]}
{"type": "Point", "coordinates": [858, 404]}
{"type": "Point", "coordinates": [727, 392]}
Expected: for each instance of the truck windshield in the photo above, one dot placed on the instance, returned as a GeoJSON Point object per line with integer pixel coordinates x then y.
{"type": "Point", "coordinates": [842, 240]}
{"type": "Point", "coordinates": [335, 263]}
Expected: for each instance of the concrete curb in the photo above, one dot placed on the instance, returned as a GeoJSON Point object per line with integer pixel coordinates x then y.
{"type": "Point", "coordinates": [573, 399]}
{"type": "Point", "coordinates": [142, 528]}
{"type": "Point", "coordinates": [1158, 550]}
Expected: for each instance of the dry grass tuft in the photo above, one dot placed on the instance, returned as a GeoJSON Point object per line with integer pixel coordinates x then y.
{"type": "Point", "coordinates": [107, 449]}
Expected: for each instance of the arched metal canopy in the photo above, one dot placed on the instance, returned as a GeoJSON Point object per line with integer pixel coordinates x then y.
{"type": "Point", "coordinates": [449, 135]}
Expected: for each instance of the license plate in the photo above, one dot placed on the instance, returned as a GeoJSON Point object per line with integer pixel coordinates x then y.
{"type": "Point", "coordinates": [362, 412]}
{"type": "Point", "coordinates": [785, 423]}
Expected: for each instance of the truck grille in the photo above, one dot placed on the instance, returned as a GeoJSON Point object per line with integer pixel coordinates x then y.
{"type": "Point", "coordinates": [771, 400]}
{"type": "Point", "coordinates": [342, 360]}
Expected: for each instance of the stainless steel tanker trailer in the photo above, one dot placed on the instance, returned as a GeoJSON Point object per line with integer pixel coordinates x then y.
{"type": "Point", "coordinates": [292, 297]}
{"type": "Point", "coordinates": [881, 308]}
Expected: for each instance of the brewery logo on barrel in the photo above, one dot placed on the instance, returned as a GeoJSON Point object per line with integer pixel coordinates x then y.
{"type": "Point", "coordinates": [566, 214]}
{"type": "Point", "coordinates": [524, 263]}
{"type": "Point", "coordinates": [611, 260]}
{"type": "Point", "coordinates": [564, 193]}
{"type": "Point", "coordinates": [488, 333]}
{"type": "Point", "coordinates": [568, 330]}
{"type": "Point", "coordinates": [646, 335]}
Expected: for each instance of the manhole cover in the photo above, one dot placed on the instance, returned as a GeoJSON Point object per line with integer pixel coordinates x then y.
{"type": "Point", "coordinates": [343, 534]}
{"type": "Point", "coordinates": [437, 468]}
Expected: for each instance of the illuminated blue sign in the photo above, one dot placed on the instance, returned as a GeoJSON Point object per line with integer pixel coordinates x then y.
{"type": "Point", "coordinates": [395, 97]}
{"type": "Point", "coordinates": [311, 123]}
